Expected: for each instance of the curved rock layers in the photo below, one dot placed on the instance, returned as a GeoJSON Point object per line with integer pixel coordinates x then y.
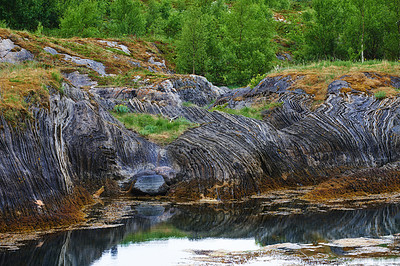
{"type": "Point", "coordinates": [78, 144]}
{"type": "Point", "coordinates": [345, 133]}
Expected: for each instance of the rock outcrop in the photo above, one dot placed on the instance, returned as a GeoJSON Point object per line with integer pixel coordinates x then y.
{"type": "Point", "coordinates": [73, 146]}
{"type": "Point", "coordinates": [12, 53]}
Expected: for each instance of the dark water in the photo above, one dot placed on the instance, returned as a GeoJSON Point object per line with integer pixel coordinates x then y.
{"type": "Point", "coordinates": [253, 221]}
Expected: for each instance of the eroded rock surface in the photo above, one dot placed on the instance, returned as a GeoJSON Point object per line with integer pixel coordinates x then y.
{"type": "Point", "coordinates": [11, 53]}
{"type": "Point", "coordinates": [78, 143]}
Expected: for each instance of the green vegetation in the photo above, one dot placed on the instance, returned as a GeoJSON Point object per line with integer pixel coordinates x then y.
{"type": "Point", "coordinates": [121, 109]}
{"type": "Point", "coordinates": [256, 80]}
{"type": "Point", "coordinates": [316, 77]}
{"type": "Point", "coordinates": [380, 95]}
{"type": "Point", "coordinates": [252, 112]}
{"type": "Point", "coordinates": [159, 232]}
{"type": "Point", "coordinates": [156, 128]}
{"type": "Point", "coordinates": [353, 30]}
{"type": "Point", "coordinates": [23, 86]}
{"type": "Point", "coordinates": [229, 42]}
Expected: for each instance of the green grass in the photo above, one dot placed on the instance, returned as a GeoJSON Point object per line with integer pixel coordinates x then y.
{"type": "Point", "coordinates": [380, 95]}
{"type": "Point", "coordinates": [159, 232]}
{"type": "Point", "coordinates": [117, 51]}
{"type": "Point", "coordinates": [156, 128]}
{"type": "Point", "coordinates": [251, 112]}
{"type": "Point", "coordinates": [188, 104]}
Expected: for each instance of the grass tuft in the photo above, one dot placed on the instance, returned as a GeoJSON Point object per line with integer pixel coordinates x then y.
{"type": "Point", "coordinates": [380, 95]}
{"type": "Point", "coordinates": [156, 128]}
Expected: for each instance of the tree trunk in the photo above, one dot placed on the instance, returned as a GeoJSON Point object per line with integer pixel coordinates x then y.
{"type": "Point", "coordinates": [362, 36]}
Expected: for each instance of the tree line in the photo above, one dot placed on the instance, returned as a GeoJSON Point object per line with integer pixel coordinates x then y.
{"type": "Point", "coordinates": [228, 41]}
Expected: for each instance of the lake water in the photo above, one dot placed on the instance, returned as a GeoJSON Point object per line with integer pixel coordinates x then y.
{"type": "Point", "coordinates": [255, 232]}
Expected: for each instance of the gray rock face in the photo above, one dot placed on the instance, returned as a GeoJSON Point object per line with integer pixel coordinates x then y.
{"type": "Point", "coordinates": [159, 64]}
{"type": "Point", "coordinates": [170, 92]}
{"type": "Point", "coordinates": [11, 53]}
{"type": "Point", "coordinates": [117, 46]}
{"type": "Point", "coordinates": [338, 85]}
{"type": "Point", "coordinates": [197, 90]}
{"type": "Point", "coordinates": [396, 82]}
{"type": "Point", "coordinates": [50, 50]}
{"type": "Point", "coordinates": [79, 80]}
{"type": "Point", "coordinates": [167, 173]}
{"type": "Point", "coordinates": [94, 65]}
{"type": "Point", "coordinates": [276, 84]}
{"type": "Point", "coordinates": [73, 144]}
{"type": "Point", "coordinates": [77, 142]}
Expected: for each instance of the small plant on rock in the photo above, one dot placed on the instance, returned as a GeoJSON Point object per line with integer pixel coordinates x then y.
{"type": "Point", "coordinates": [256, 80]}
{"type": "Point", "coordinates": [121, 108]}
{"type": "Point", "coordinates": [380, 95]}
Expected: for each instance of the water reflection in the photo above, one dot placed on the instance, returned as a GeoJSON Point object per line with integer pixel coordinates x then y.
{"type": "Point", "coordinates": [246, 220]}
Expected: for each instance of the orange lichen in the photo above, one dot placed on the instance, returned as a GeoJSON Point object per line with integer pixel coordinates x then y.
{"type": "Point", "coordinates": [54, 213]}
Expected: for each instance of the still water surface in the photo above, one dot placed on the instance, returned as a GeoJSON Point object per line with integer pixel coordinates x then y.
{"type": "Point", "coordinates": [152, 233]}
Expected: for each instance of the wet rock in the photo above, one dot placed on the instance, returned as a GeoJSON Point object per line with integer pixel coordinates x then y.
{"type": "Point", "coordinates": [167, 173]}
{"type": "Point", "coordinates": [148, 210]}
{"type": "Point", "coordinates": [149, 185]}
{"type": "Point", "coordinates": [11, 53]}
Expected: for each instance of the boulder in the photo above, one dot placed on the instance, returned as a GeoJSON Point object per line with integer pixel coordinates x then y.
{"type": "Point", "coordinates": [337, 85]}
{"type": "Point", "coordinates": [11, 53]}
{"type": "Point", "coordinates": [149, 185]}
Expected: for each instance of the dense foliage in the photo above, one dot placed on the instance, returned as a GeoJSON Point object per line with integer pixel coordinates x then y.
{"type": "Point", "coordinates": [228, 41]}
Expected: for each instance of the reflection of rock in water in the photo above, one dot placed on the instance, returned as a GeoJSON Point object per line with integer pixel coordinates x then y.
{"type": "Point", "coordinates": [83, 247]}
{"type": "Point", "coordinates": [245, 220]}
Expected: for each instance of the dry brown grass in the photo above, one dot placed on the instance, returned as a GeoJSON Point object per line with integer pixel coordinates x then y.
{"type": "Point", "coordinates": [315, 78]}
{"type": "Point", "coordinates": [24, 86]}
{"type": "Point", "coordinates": [367, 182]}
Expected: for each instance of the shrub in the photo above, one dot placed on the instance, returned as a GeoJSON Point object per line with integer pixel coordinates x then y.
{"type": "Point", "coordinates": [127, 17]}
{"type": "Point", "coordinates": [83, 19]}
{"type": "Point", "coordinates": [121, 109]}
{"type": "Point", "coordinates": [256, 80]}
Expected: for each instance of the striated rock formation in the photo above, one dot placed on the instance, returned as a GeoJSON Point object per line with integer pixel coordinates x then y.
{"type": "Point", "coordinates": [72, 146]}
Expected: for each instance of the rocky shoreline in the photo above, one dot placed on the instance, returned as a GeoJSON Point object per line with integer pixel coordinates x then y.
{"type": "Point", "coordinates": [346, 145]}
